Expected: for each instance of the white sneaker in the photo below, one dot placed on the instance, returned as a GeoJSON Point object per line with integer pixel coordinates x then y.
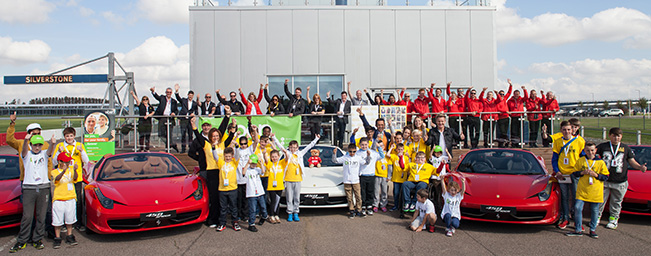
{"type": "Point", "coordinates": [212, 226]}
{"type": "Point", "coordinates": [454, 230]}
{"type": "Point", "coordinates": [449, 233]}
{"type": "Point", "coordinates": [612, 224]}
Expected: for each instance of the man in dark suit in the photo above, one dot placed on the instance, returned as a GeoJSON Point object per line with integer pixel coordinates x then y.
{"type": "Point", "coordinates": [297, 105]}
{"type": "Point", "coordinates": [166, 107]}
{"type": "Point", "coordinates": [342, 106]}
{"type": "Point", "coordinates": [207, 107]}
{"type": "Point", "coordinates": [189, 108]}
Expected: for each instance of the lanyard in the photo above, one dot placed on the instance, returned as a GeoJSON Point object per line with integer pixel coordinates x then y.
{"type": "Point", "coordinates": [616, 150]}
{"type": "Point", "coordinates": [419, 167]}
{"type": "Point", "coordinates": [566, 147]}
{"type": "Point", "coordinates": [588, 165]}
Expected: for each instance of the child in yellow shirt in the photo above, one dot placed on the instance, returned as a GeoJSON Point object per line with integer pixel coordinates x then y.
{"type": "Point", "coordinates": [275, 182]}
{"type": "Point", "coordinates": [64, 208]}
{"type": "Point", "coordinates": [419, 174]}
{"type": "Point", "coordinates": [566, 152]}
{"type": "Point", "coordinates": [382, 167]}
{"type": "Point", "coordinates": [398, 174]}
{"type": "Point", "coordinates": [227, 188]}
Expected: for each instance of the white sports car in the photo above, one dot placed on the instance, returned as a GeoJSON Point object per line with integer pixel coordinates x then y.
{"type": "Point", "coordinates": [322, 187]}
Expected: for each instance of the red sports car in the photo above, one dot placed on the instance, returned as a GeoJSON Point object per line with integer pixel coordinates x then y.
{"type": "Point", "coordinates": [638, 197]}
{"type": "Point", "coordinates": [143, 191]}
{"type": "Point", "coordinates": [11, 208]}
{"type": "Point", "coordinates": [508, 186]}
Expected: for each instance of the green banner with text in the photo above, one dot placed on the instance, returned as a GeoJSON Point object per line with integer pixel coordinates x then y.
{"type": "Point", "coordinates": [285, 128]}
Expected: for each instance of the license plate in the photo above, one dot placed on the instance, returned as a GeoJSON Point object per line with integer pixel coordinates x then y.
{"type": "Point", "coordinates": [497, 209]}
{"type": "Point", "coordinates": [312, 199]}
{"type": "Point", "coordinates": [157, 215]}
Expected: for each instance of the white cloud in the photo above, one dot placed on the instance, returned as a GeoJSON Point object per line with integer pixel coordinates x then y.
{"type": "Point", "coordinates": [25, 11]}
{"type": "Point", "coordinates": [500, 64]}
{"type": "Point", "coordinates": [166, 11]}
{"type": "Point", "coordinates": [17, 53]}
{"type": "Point", "coordinates": [553, 29]}
{"type": "Point", "coordinates": [112, 17]}
{"type": "Point", "coordinates": [86, 11]}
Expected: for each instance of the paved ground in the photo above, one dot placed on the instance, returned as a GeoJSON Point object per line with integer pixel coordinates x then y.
{"type": "Point", "coordinates": [329, 232]}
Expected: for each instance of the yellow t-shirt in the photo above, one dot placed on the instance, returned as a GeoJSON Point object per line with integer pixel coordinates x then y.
{"type": "Point", "coordinates": [276, 173]}
{"type": "Point", "coordinates": [584, 191]}
{"type": "Point", "coordinates": [294, 172]}
{"type": "Point", "coordinates": [260, 157]}
{"type": "Point", "coordinates": [76, 156]}
{"type": "Point", "coordinates": [407, 150]}
{"type": "Point", "coordinates": [399, 175]}
{"type": "Point", "coordinates": [420, 173]}
{"type": "Point", "coordinates": [382, 166]}
{"type": "Point", "coordinates": [370, 142]}
{"type": "Point", "coordinates": [569, 155]}
{"type": "Point", "coordinates": [211, 164]}
{"type": "Point", "coordinates": [227, 172]}
{"type": "Point", "coordinates": [414, 148]}
{"type": "Point", "coordinates": [64, 189]}
{"type": "Point", "coordinates": [556, 136]}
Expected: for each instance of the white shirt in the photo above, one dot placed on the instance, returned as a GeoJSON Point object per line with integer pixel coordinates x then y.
{"type": "Point", "coordinates": [36, 171]}
{"type": "Point", "coordinates": [352, 166]}
{"type": "Point", "coordinates": [253, 183]}
{"type": "Point", "coordinates": [253, 110]}
{"type": "Point", "coordinates": [424, 208]}
{"type": "Point", "coordinates": [342, 106]}
{"type": "Point", "coordinates": [243, 157]}
{"type": "Point", "coordinates": [452, 205]}
{"type": "Point", "coordinates": [442, 144]}
{"type": "Point", "coordinates": [168, 107]}
{"type": "Point", "coordinates": [436, 162]}
{"type": "Point", "coordinates": [368, 169]}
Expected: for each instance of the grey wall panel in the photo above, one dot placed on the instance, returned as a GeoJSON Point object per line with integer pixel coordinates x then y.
{"type": "Point", "coordinates": [202, 51]}
{"type": "Point", "coordinates": [331, 41]}
{"type": "Point", "coordinates": [433, 46]}
{"type": "Point", "coordinates": [408, 48]}
{"type": "Point", "coordinates": [458, 46]}
{"type": "Point", "coordinates": [279, 42]}
{"type": "Point", "coordinates": [483, 63]}
{"type": "Point", "coordinates": [227, 50]}
{"type": "Point", "coordinates": [357, 45]}
{"type": "Point", "coordinates": [383, 48]}
{"type": "Point", "coordinates": [254, 51]}
{"type": "Point", "coordinates": [305, 44]}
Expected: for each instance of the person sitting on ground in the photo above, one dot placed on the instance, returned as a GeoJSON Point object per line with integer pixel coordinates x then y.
{"type": "Point", "coordinates": [426, 213]}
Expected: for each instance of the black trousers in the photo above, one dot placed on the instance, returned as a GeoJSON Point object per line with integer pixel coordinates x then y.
{"type": "Point", "coordinates": [212, 182]}
{"type": "Point", "coordinates": [341, 129]}
{"type": "Point", "coordinates": [228, 203]}
{"type": "Point", "coordinates": [503, 128]}
{"type": "Point", "coordinates": [473, 127]}
{"type": "Point", "coordinates": [548, 123]}
{"type": "Point", "coordinates": [534, 126]}
{"type": "Point", "coordinates": [275, 202]}
{"type": "Point", "coordinates": [186, 129]}
{"type": "Point", "coordinates": [367, 185]}
{"type": "Point", "coordinates": [489, 131]}
{"type": "Point", "coordinates": [242, 202]}
{"type": "Point", "coordinates": [454, 124]}
{"type": "Point", "coordinates": [515, 131]}
{"type": "Point", "coordinates": [315, 127]}
{"type": "Point", "coordinates": [162, 131]}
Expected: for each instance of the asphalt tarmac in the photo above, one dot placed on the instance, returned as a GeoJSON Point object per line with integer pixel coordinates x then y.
{"type": "Point", "coordinates": [330, 232]}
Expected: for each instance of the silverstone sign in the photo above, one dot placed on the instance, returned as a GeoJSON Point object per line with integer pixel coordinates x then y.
{"type": "Point", "coordinates": [56, 79]}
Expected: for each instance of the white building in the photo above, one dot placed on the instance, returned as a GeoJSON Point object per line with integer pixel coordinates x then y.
{"type": "Point", "coordinates": [324, 46]}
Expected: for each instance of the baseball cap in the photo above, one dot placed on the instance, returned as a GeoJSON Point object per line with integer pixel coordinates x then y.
{"type": "Point", "coordinates": [64, 157]}
{"type": "Point", "coordinates": [438, 149]}
{"type": "Point", "coordinates": [36, 139]}
{"type": "Point", "coordinates": [33, 126]}
{"type": "Point", "coordinates": [254, 158]}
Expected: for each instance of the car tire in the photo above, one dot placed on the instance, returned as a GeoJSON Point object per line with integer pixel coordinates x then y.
{"type": "Point", "coordinates": [620, 115]}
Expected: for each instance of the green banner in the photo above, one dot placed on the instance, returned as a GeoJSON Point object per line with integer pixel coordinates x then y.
{"type": "Point", "coordinates": [97, 147]}
{"type": "Point", "coordinates": [285, 128]}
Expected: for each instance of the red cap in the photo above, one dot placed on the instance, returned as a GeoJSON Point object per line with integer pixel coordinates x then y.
{"type": "Point", "coordinates": [64, 157]}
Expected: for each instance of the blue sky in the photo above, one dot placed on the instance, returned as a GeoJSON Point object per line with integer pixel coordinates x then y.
{"type": "Point", "coordinates": [574, 48]}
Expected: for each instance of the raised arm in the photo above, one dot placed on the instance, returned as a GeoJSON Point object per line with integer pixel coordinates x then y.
{"type": "Point", "coordinates": [307, 95]}
{"type": "Point", "coordinates": [348, 89]}
{"type": "Point", "coordinates": [447, 89]}
{"type": "Point", "coordinates": [154, 94]}
{"type": "Point", "coordinates": [246, 103]}
{"type": "Point", "coordinates": [287, 92]}
{"type": "Point", "coordinates": [219, 98]}
{"type": "Point", "coordinates": [266, 93]}
{"type": "Point", "coordinates": [260, 93]}
{"type": "Point", "coordinates": [370, 100]}
{"type": "Point", "coordinates": [508, 93]}
{"type": "Point", "coordinates": [135, 98]}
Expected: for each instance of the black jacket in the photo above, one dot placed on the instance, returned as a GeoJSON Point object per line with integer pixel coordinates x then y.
{"type": "Point", "coordinates": [206, 108]}
{"type": "Point", "coordinates": [236, 106]}
{"type": "Point", "coordinates": [196, 148]}
{"type": "Point", "coordinates": [337, 104]}
{"type": "Point", "coordinates": [278, 108]}
{"type": "Point", "coordinates": [162, 101]}
{"type": "Point", "coordinates": [449, 136]}
{"type": "Point", "coordinates": [185, 109]}
{"type": "Point", "coordinates": [296, 106]}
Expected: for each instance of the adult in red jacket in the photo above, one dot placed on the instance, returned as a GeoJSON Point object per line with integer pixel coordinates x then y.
{"type": "Point", "coordinates": [421, 105]}
{"type": "Point", "coordinates": [516, 104]}
{"type": "Point", "coordinates": [549, 104]}
{"type": "Point", "coordinates": [503, 116]}
{"type": "Point", "coordinates": [455, 105]}
{"type": "Point", "coordinates": [488, 124]}
{"type": "Point", "coordinates": [438, 102]}
{"type": "Point", "coordinates": [253, 104]}
{"type": "Point", "coordinates": [406, 101]}
{"type": "Point", "coordinates": [474, 105]}
{"type": "Point", "coordinates": [462, 108]}
{"type": "Point", "coordinates": [533, 103]}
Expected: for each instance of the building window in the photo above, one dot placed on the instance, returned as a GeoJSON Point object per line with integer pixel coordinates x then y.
{"type": "Point", "coordinates": [320, 84]}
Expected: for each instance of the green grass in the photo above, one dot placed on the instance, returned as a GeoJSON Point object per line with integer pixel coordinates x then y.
{"type": "Point", "coordinates": [630, 126]}
{"type": "Point", "coordinates": [46, 124]}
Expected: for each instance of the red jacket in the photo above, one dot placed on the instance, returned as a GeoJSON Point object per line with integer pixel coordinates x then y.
{"type": "Point", "coordinates": [501, 104]}
{"type": "Point", "coordinates": [549, 105]}
{"type": "Point", "coordinates": [401, 102]}
{"type": "Point", "coordinates": [489, 106]}
{"type": "Point", "coordinates": [517, 105]}
{"type": "Point", "coordinates": [533, 105]}
{"type": "Point", "coordinates": [474, 105]}
{"type": "Point", "coordinates": [454, 106]}
{"type": "Point", "coordinates": [438, 105]}
{"type": "Point", "coordinates": [462, 102]}
{"type": "Point", "coordinates": [421, 106]}
{"type": "Point", "coordinates": [256, 103]}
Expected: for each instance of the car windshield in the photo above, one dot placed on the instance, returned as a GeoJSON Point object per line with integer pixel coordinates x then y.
{"type": "Point", "coordinates": [9, 168]}
{"type": "Point", "coordinates": [500, 162]}
{"type": "Point", "coordinates": [140, 166]}
{"type": "Point", "coordinates": [325, 153]}
{"type": "Point", "coordinates": [642, 155]}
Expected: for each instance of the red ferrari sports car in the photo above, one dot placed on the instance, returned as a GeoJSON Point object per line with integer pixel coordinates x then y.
{"type": "Point", "coordinates": [638, 197]}
{"type": "Point", "coordinates": [11, 208]}
{"type": "Point", "coordinates": [143, 191]}
{"type": "Point", "coordinates": [508, 186]}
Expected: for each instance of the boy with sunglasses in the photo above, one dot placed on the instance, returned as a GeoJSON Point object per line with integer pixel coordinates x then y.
{"type": "Point", "coordinates": [352, 164]}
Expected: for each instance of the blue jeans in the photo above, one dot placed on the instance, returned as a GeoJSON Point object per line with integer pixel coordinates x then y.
{"type": "Point", "coordinates": [407, 186]}
{"type": "Point", "coordinates": [566, 193]}
{"type": "Point", "coordinates": [254, 203]}
{"type": "Point", "coordinates": [450, 222]}
{"type": "Point", "coordinates": [578, 214]}
{"type": "Point", "coordinates": [397, 197]}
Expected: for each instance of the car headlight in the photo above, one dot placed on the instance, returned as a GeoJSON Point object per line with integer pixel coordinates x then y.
{"type": "Point", "coordinates": [105, 201]}
{"type": "Point", "coordinates": [198, 194]}
{"type": "Point", "coordinates": [544, 195]}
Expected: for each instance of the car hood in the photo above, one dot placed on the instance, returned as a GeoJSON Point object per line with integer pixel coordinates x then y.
{"type": "Point", "coordinates": [150, 191]}
{"type": "Point", "coordinates": [9, 190]}
{"type": "Point", "coordinates": [323, 177]}
{"type": "Point", "coordinates": [501, 186]}
{"type": "Point", "coordinates": [639, 182]}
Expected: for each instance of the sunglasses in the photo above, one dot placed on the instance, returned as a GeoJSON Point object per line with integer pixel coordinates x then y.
{"type": "Point", "coordinates": [208, 97]}
{"type": "Point", "coordinates": [352, 151]}
{"type": "Point", "coordinates": [233, 96]}
{"type": "Point", "coordinates": [168, 92]}
{"type": "Point", "coordinates": [243, 144]}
